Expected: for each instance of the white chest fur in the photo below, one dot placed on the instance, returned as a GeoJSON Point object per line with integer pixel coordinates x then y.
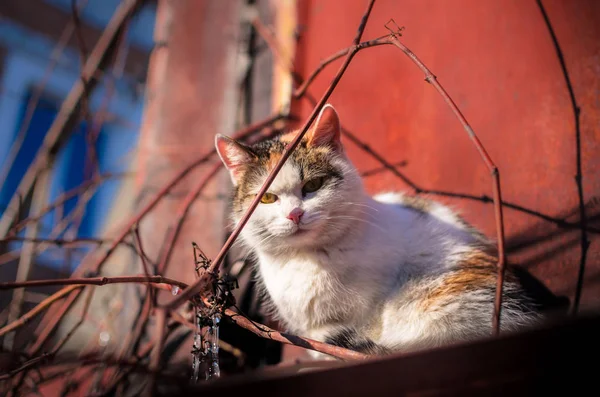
{"type": "Point", "coordinates": [306, 294]}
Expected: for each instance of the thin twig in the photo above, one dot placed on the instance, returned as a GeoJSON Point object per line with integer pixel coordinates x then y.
{"type": "Point", "coordinates": [161, 325]}
{"type": "Point", "coordinates": [40, 195]}
{"type": "Point", "coordinates": [133, 338]}
{"type": "Point", "coordinates": [122, 374]}
{"type": "Point", "coordinates": [24, 319]}
{"type": "Point", "coordinates": [494, 172]}
{"type": "Point", "coordinates": [62, 242]}
{"type": "Point", "coordinates": [90, 359]}
{"type": "Point", "coordinates": [181, 213]}
{"type": "Point", "coordinates": [31, 363]}
{"type": "Point", "coordinates": [269, 333]}
{"type": "Point", "coordinates": [84, 109]}
{"type": "Point", "coordinates": [93, 281]}
{"type": "Point", "coordinates": [300, 91]}
{"type": "Point", "coordinates": [148, 268]}
{"type": "Point", "coordinates": [101, 259]}
{"type": "Point", "coordinates": [83, 52]}
{"type": "Point", "coordinates": [584, 242]}
{"type": "Point", "coordinates": [363, 23]}
{"type": "Point", "coordinates": [70, 223]}
{"type": "Point", "coordinates": [86, 306]}
{"type": "Point", "coordinates": [60, 200]}
{"type": "Point", "coordinates": [92, 165]}
{"type": "Point", "coordinates": [354, 139]}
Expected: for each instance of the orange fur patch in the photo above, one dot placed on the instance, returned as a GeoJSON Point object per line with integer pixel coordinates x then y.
{"type": "Point", "coordinates": [288, 137]}
{"type": "Point", "coordinates": [274, 158]}
{"type": "Point", "coordinates": [476, 271]}
{"type": "Point", "coordinates": [419, 204]}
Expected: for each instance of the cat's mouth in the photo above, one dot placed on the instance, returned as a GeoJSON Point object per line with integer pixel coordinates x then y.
{"type": "Point", "coordinates": [301, 237]}
{"type": "Point", "coordinates": [298, 232]}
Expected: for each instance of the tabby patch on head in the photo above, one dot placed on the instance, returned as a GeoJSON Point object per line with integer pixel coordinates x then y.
{"type": "Point", "coordinates": [301, 202]}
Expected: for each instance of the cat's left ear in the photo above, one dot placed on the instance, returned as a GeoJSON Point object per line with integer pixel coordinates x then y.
{"type": "Point", "coordinates": [326, 130]}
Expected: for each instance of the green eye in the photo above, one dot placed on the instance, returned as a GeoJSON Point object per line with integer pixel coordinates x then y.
{"type": "Point", "coordinates": [268, 198]}
{"type": "Point", "coordinates": [313, 185]}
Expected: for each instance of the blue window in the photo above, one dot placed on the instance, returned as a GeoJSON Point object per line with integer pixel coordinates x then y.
{"type": "Point", "coordinates": [71, 169]}
{"type": "Point", "coordinates": [27, 54]}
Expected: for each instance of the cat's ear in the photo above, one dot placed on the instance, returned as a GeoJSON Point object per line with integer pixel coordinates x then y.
{"type": "Point", "coordinates": [234, 155]}
{"type": "Point", "coordinates": [326, 130]}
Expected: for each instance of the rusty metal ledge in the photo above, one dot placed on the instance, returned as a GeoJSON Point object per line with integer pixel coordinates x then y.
{"type": "Point", "coordinates": [556, 359]}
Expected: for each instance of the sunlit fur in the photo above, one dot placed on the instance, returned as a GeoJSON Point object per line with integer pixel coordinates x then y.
{"type": "Point", "coordinates": [385, 273]}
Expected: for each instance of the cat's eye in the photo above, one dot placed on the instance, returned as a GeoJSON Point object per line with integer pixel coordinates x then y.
{"type": "Point", "coordinates": [268, 198]}
{"type": "Point", "coordinates": [313, 185]}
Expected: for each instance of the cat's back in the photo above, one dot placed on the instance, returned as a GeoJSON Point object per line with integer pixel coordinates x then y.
{"type": "Point", "coordinates": [421, 205]}
{"type": "Point", "coordinates": [433, 221]}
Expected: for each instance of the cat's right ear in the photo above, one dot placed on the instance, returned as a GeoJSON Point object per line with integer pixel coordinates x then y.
{"type": "Point", "coordinates": [234, 155]}
{"type": "Point", "coordinates": [326, 130]}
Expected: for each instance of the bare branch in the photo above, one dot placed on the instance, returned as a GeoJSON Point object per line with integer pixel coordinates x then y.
{"type": "Point", "coordinates": [60, 200]}
{"type": "Point", "coordinates": [363, 23]}
{"type": "Point", "coordinates": [269, 333]}
{"type": "Point", "coordinates": [86, 306]}
{"type": "Point", "coordinates": [38, 309]}
{"type": "Point", "coordinates": [31, 363]}
{"type": "Point", "coordinates": [584, 241]}
{"type": "Point", "coordinates": [40, 195]}
{"type": "Point", "coordinates": [495, 174]}
{"type": "Point", "coordinates": [62, 242]}
{"type": "Point", "coordinates": [161, 325]}
{"type": "Point", "coordinates": [93, 281]}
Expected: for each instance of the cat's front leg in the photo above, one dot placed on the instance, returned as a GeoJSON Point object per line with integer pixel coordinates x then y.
{"type": "Point", "coordinates": [322, 334]}
{"type": "Point", "coordinates": [347, 337]}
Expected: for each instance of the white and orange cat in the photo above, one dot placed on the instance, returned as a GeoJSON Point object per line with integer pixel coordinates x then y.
{"type": "Point", "coordinates": [374, 274]}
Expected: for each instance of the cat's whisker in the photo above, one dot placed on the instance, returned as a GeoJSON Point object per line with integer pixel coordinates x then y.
{"type": "Point", "coordinates": [361, 205]}
{"type": "Point", "coordinates": [265, 240]}
{"type": "Point", "coordinates": [311, 221]}
{"type": "Point", "coordinates": [346, 217]}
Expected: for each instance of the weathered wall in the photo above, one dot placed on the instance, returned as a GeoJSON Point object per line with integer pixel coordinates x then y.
{"type": "Point", "coordinates": [498, 62]}
{"type": "Point", "coordinates": [191, 97]}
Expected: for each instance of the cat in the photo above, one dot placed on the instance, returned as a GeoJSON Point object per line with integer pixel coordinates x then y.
{"type": "Point", "coordinates": [383, 274]}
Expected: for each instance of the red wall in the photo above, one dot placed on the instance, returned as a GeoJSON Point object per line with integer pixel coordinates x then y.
{"type": "Point", "coordinates": [498, 62]}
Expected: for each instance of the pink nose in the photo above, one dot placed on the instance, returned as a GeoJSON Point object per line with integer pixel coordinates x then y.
{"type": "Point", "coordinates": [295, 215]}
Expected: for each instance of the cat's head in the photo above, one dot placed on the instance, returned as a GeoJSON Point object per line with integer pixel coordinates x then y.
{"type": "Point", "coordinates": [314, 197]}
